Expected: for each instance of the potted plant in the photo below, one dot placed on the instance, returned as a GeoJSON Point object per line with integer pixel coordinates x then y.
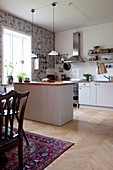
{"type": "Point", "coordinates": [87, 75]}
{"type": "Point", "coordinates": [21, 76]}
{"type": "Point", "coordinates": [26, 79]}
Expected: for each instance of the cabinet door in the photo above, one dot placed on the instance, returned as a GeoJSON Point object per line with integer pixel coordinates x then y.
{"type": "Point", "coordinates": [93, 93]}
{"type": "Point", "coordinates": [84, 94]}
{"type": "Point", "coordinates": [105, 94]}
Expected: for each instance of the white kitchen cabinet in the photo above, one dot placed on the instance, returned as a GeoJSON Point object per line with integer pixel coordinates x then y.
{"type": "Point", "coordinates": [93, 93]}
{"type": "Point", "coordinates": [105, 94]}
{"type": "Point", "coordinates": [96, 94]}
{"type": "Point", "coordinates": [84, 93]}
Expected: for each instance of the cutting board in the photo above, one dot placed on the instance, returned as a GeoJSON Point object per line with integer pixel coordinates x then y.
{"type": "Point", "coordinates": [102, 68]}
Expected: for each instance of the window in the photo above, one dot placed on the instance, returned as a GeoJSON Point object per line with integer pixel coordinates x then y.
{"type": "Point", "coordinates": [17, 49]}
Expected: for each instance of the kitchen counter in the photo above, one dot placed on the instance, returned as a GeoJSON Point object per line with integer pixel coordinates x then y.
{"type": "Point", "coordinates": [48, 102]}
{"type": "Point", "coordinates": [103, 81]}
{"type": "Point", "coordinates": [84, 81]}
{"type": "Point", "coordinates": [56, 83]}
{"type": "Point", "coordinates": [96, 82]}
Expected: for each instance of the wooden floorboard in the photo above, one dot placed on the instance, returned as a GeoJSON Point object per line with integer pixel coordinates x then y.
{"type": "Point", "coordinates": [91, 131]}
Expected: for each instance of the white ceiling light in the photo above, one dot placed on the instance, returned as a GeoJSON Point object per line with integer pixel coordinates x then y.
{"type": "Point", "coordinates": [53, 52]}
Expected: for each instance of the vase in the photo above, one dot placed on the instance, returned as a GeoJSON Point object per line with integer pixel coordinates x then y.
{"type": "Point", "coordinates": [10, 79]}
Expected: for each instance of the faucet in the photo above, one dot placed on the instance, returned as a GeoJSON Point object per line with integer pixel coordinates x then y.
{"type": "Point", "coordinates": [109, 77]}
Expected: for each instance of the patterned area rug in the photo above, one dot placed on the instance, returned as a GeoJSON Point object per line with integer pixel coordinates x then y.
{"type": "Point", "coordinates": [41, 152]}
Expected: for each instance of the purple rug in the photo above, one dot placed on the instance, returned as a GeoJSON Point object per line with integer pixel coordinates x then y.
{"type": "Point", "coordinates": [41, 152]}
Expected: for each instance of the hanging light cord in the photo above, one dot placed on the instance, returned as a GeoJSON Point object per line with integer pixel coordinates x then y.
{"type": "Point", "coordinates": [32, 10]}
{"type": "Point", "coordinates": [53, 17]}
{"type": "Point", "coordinates": [53, 4]}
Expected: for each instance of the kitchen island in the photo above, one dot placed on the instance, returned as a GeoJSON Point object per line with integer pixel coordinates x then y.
{"type": "Point", "coordinates": [49, 102]}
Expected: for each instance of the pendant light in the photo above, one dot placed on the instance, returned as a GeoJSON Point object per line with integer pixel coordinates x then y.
{"type": "Point", "coordinates": [53, 52]}
{"type": "Point", "coordinates": [32, 54]}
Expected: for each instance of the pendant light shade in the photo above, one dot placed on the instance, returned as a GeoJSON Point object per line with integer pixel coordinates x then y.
{"type": "Point", "coordinates": [53, 52]}
{"type": "Point", "coordinates": [32, 54]}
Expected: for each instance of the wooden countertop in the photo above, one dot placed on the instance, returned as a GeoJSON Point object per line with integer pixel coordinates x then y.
{"type": "Point", "coordinates": [96, 82]}
{"type": "Point", "coordinates": [84, 81]}
{"type": "Point", "coordinates": [57, 83]}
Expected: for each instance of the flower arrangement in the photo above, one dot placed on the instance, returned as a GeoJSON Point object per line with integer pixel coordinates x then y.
{"type": "Point", "coordinates": [9, 66]}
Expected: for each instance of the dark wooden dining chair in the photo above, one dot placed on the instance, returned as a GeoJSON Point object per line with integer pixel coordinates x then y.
{"type": "Point", "coordinates": [11, 104]}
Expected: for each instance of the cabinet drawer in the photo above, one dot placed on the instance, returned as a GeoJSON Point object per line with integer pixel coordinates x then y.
{"type": "Point", "coordinates": [84, 84]}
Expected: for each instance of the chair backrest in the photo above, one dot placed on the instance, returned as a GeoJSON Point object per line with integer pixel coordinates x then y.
{"type": "Point", "coordinates": [11, 105]}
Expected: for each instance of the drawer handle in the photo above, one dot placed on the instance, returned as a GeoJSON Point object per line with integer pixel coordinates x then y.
{"type": "Point", "coordinates": [84, 84]}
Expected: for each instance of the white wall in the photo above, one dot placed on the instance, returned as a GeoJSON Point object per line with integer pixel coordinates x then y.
{"type": "Point", "coordinates": [98, 35]}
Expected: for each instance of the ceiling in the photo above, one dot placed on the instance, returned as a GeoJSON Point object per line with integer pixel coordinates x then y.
{"type": "Point", "coordinates": [68, 16]}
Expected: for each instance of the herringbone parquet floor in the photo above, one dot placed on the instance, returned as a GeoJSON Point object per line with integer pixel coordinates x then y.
{"type": "Point", "coordinates": [91, 131]}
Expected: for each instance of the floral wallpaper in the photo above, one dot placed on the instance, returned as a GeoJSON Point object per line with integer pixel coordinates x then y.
{"type": "Point", "coordinates": [42, 42]}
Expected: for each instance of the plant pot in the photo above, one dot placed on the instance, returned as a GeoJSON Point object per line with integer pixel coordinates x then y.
{"type": "Point", "coordinates": [87, 78]}
{"type": "Point", "coordinates": [10, 79]}
{"type": "Point", "coordinates": [20, 80]}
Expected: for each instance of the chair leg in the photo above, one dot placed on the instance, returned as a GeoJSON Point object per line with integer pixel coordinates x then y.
{"type": "Point", "coordinates": [25, 137]}
{"type": "Point", "coordinates": [20, 155]}
{"type": "Point", "coordinates": [23, 132]}
{"type": "Point", "coordinates": [3, 160]}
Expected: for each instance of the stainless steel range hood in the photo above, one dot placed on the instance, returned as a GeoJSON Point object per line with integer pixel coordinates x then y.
{"type": "Point", "coordinates": [76, 58]}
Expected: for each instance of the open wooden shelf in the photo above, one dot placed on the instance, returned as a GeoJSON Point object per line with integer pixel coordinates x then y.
{"type": "Point", "coordinates": [101, 61]}
{"type": "Point", "coordinates": [100, 54]}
